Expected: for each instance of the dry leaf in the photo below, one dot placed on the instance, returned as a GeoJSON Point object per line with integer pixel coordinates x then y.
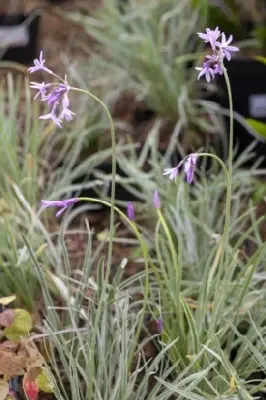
{"type": "Point", "coordinates": [21, 326]}
{"type": "Point", "coordinates": [34, 358]}
{"type": "Point", "coordinates": [11, 364]}
{"type": "Point", "coordinates": [8, 345]}
{"type": "Point", "coordinates": [4, 389]}
{"type": "Point", "coordinates": [7, 317]}
{"type": "Point", "coordinates": [34, 372]}
{"type": "Point", "coordinates": [7, 300]}
{"type": "Point", "coordinates": [44, 381]}
{"type": "Point", "coordinates": [23, 320]}
{"type": "Point", "coordinates": [31, 388]}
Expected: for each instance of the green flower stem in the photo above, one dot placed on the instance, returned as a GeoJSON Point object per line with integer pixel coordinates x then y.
{"type": "Point", "coordinates": [230, 161]}
{"type": "Point", "coordinates": [145, 252]}
{"type": "Point", "coordinates": [228, 173]}
{"type": "Point", "coordinates": [113, 139]}
{"type": "Point", "coordinates": [222, 164]}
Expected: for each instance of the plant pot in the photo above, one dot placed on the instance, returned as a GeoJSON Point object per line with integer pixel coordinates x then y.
{"type": "Point", "coordinates": [248, 85]}
{"type": "Point", "coordinates": [57, 1]}
{"type": "Point", "coordinates": [19, 32]}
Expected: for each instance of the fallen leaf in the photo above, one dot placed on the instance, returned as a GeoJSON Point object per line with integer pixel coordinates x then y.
{"type": "Point", "coordinates": [4, 389]}
{"type": "Point", "coordinates": [31, 388]}
{"type": "Point", "coordinates": [7, 317]}
{"type": "Point", "coordinates": [34, 372]}
{"type": "Point", "coordinates": [13, 333]}
{"type": "Point", "coordinates": [23, 320]}
{"type": "Point", "coordinates": [34, 357]}
{"type": "Point", "coordinates": [7, 300]}
{"type": "Point", "coordinates": [8, 345]}
{"type": "Point", "coordinates": [21, 326]}
{"type": "Point", "coordinates": [44, 381]}
{"type": "Point", "coordinates": [11, 364]}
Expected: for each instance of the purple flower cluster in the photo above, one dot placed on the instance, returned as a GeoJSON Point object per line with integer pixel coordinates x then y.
{"type": "Point", "coordinates": [55, 95]}
{"type": "Point", "coordinates": [189, 168]}
{"type": "Point", "coordinates": [61, 204]}
{"type": "Point", "coordinates": [221, 49]}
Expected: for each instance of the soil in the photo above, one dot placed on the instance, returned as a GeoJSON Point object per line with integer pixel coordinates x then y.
{"type": "Point", "coordinates": [59, 36]}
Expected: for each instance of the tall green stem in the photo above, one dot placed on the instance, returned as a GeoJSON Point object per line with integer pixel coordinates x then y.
{"type": "Point", "coordinates": [112, 213]}
{"type": "Point", "coordinates": [228, 173]}
{"type": "Point", "coordinates": [230, 161]}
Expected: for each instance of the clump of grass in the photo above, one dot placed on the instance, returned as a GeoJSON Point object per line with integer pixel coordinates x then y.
{"type": "Point", "coordinates": [36, 162]}
{"type": "Point", "coordinates": [141, 44]}
{"type": "Point", "coordinates": [197, 276]}
{"type": "Point", "coordinates": [213, 328]}
{"type": "Point", "coordinates": [210, 303]}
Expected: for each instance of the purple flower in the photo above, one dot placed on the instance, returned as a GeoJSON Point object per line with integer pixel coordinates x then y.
{"type": "Point", "coordinates": [42, 89]}
{"type": "Point", "coordinates": [206, 70]}
{"type": "Point", "coordinates": [66, 112]}
{"type": "Point", "coordinates": [62, 204]}
{"type": "Point", "coordinates": [156, 199]}
{"type": "Point", "coordinates": [57, 94]}
{"type": "Point", "coordinates": [172, 172]}
{"type": "Point", "coordinates": [225, 48]}
{"type": "Point", "coordinates": [189, 167]}
{"type": "Point", "coordinates": [211, 36]}
{"type": "Point", "coordinates": [221, 49]}
{"type": "Point", "coordinates": [56, 98]}
{"type": "Point", "coordinates": [39, 66]}
{"type": "Point", "coordinates": [159, 324]}
{"type": "Point", "coordinates": [218, 69]}
{"type": "Point", "coordinates": [130, 211]}
{"type": "Point", "coordinates": [52, 115]}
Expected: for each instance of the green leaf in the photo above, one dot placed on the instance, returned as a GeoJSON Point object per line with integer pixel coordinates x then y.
{"type": "Point", "coordinates": [257, 126]}
{"type": "Point", "coordinates": [4, 389]}
{"type": "Point", "coordinates": [22, 320]}
{"type": "Point", "coordinates": [6, 300]}
{"type": "Point", "coordinates": [21, 326]}
{"type": "Point", "coordinates": [44, 382]}
{"type": "Point", "coordinates": [13, 333]}
{"type": "Point", "coordinates": [261, 59]}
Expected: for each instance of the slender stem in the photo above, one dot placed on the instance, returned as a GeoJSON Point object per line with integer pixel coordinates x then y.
{"type": "Point", "coordinates": [111, 228]}
{"type": "Point", "coordinates": [218, 160]}
{"type": "Point", "coordinates": [225, 237]}
{"type": "Point", "coordinates": [113, 140]}
{"type": "Point", "coordinates": [230, 160]}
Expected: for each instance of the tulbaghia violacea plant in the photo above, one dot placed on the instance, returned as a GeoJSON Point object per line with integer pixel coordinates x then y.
{"type": "Point", "coordinates": [213, 65]}
{"type": "Point", "coordinates": [54, 94]}
{"type": "Point", "coordinates": [220, 50]}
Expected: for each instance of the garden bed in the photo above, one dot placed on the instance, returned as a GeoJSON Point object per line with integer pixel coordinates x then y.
{"type": "Point", "coordinates": [156, 292]}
